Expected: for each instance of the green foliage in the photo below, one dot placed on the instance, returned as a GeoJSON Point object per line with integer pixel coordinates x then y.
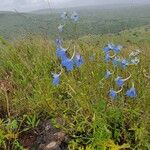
{"type": "Point", "coordinates": [32, 121]}
{"type": "Point", "coordinates": [80, 105]}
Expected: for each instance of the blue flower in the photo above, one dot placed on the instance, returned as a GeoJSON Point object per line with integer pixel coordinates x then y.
{"type": "Point", "coordinates": [131, 92]}
{"type": "Point", "coordinates": [75, 17]}
{"type": "Point", "coordinates": [64, 15]}
{"type": "Point", "coordinates": [116, 61]}
{"type": "Point", "coordinates": [117, 48]}
{"type": "Point", "coordinates": [135, 61]}
{"type": "Point", "coordinates": [58, 42]}
{"type": "Point", "coordinates": [111, 46]}
{"type": "Point", "coordinates": [61, 53]}
{"type": "Point", "coordinates": [124, 63]}
{"type": "Point", "coordinates": [107, 57]}
{"type": "Point", "coordinates": [106, 49]}
{"type": "Point", "coordinates": [113, 94]}
{"type": "Point", "coordinates": [119, 81]}
{"type": "Point", "coordinates": [78, 60]}
{"type": "Point", "coordinates": [56, 79]}
{"type": "Point", "coordinates": [68, 64]}
{"type": "Point", "coordinates": [108, 74]}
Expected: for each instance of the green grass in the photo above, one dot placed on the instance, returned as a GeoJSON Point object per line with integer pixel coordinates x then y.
{"type": "Point", "coordinates": [81, 100]}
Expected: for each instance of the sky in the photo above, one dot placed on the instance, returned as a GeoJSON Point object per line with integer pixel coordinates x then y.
{"type": "Point", "coordinates": [29, 5]}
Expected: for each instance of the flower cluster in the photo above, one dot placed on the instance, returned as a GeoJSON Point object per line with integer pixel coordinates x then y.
{"type": "Point", "coordinates": [69, 63]}
{"type": "Point", "coordinates": [119, 62]}
{"type": "Point", "coordinates": [74, 17]}
{"type": "Point", "coordinates": [111, 51]}
{"type": "Point", "coordinates": [116, 60]}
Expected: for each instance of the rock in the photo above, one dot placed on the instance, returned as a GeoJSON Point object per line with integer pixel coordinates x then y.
{"type": "Point", "coordinates": [59, 137]}
{"type": "Point", "coordinates": [50, 146]}
{"type": "Point", "coordinates": [51, 138]}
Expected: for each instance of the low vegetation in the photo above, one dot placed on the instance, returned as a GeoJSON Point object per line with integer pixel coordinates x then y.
{"type": "Point", "coordinates": [80, 105]}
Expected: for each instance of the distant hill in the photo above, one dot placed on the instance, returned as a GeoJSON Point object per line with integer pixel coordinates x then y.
{"type": "Point", "coordinates": [93, 20]}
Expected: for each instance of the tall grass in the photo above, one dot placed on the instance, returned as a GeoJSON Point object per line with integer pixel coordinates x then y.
{"type": "Point", "coordinates": [81, 101]}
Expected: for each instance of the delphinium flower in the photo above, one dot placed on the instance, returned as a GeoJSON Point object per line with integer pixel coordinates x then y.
{"type": "Point", "coordinates": [132, 92]}
{"type": "Point", "coordinates": [134, 53]}
{"type": "Point", "coordinates": [106, 49]}
{"type": "Point", "coordinates": [120, 81]}
{"type": "Point", "coordinates": [124, 63]}
{"type": "Point", "coordinates": [56, 79]}
{"type": "Point", "coordinates": [58, 42]}
{"type": "Point", "coordinates": [111, 46]}
{"type": "Point", "coordinates": [117, 48]}
{"type": "Point", "coordinates": [75, 17]}
{"type": "Point", "coordinates": [61, 53]}
{"type": "Point", "coordinates": [64, 15]}
{"type": "Point", "coordinates": [116, 61]}
{"type": "Point", "coordinates": [107, 57]}
{"type": "Point", "coordinates": [135, 61]}
{"type": "Point", "coordinates": [68, 63]}
{"type": "Point", "coordinates": [108, 74]}
{"type": "Point", "coordinates": [78, 60]}
{"type": "Point", "coordinates": [60, 28]}
{"type": "Point", "coordinates": [113, 93]}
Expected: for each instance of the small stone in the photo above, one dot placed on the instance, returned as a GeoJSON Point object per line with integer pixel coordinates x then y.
{"type": "Point", "coordinates": [59, 136]}
{"type": "Point", "coordinates": [52, 146]}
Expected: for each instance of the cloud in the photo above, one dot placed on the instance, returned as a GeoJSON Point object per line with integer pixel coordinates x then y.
{"type": "Point", "coordinates": [28, 5]}
{"type": "Point", "coordinates": [22, 5]}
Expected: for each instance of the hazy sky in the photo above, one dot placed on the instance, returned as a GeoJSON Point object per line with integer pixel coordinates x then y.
{"type": "Point", "coordinates": [28, 5]}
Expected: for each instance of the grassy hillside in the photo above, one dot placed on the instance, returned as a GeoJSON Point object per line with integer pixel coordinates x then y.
{"type": "Point", "coordinates": [94, 20]}
{"type": "Point", "coordinates": [80, 106]}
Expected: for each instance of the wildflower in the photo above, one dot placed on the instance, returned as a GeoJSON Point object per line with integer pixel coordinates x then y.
{"type": "Point", "coordinates": [64, 15]}
{"type": "Point", "coordinates": [135, 61]}
{"type": "Point", "coordinates": [113, 94]}
{"type": "Point", "coordinates": [107, 57]}
{"type": "Point", "coordinates": [111, 46]}
{"type": "Point", "coordinates": [106, 49]}
{"type": "Point", "coordinates": [61, 53]}
{"type": "Point", "coordinates": [134, 53]}
{"type": "Point", "coordinates": [75, 17]}
{"type": "Point", "coordinates": [108, 74]}
{"type": "Point", "coordinates": [119, 81]}
{"type": "Point", "coordinates": [78, 60]}
{"type": "Point", "coordinates": [117, 48]}
{"type": "Point", "coordinates": [116, 61]}
{"type": "Point", "coordinates": [131, 92]}
{"type": "Point", "coordinates": [56, 79]}
{"type": "Point", "coordinates": [60, 28]}
{"type": "Point", "coordinates": [124, 63]}
{"type": "Point", "coordinates": [68, 63]}
{"type": "Point", "coordinates": [58, 42]}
